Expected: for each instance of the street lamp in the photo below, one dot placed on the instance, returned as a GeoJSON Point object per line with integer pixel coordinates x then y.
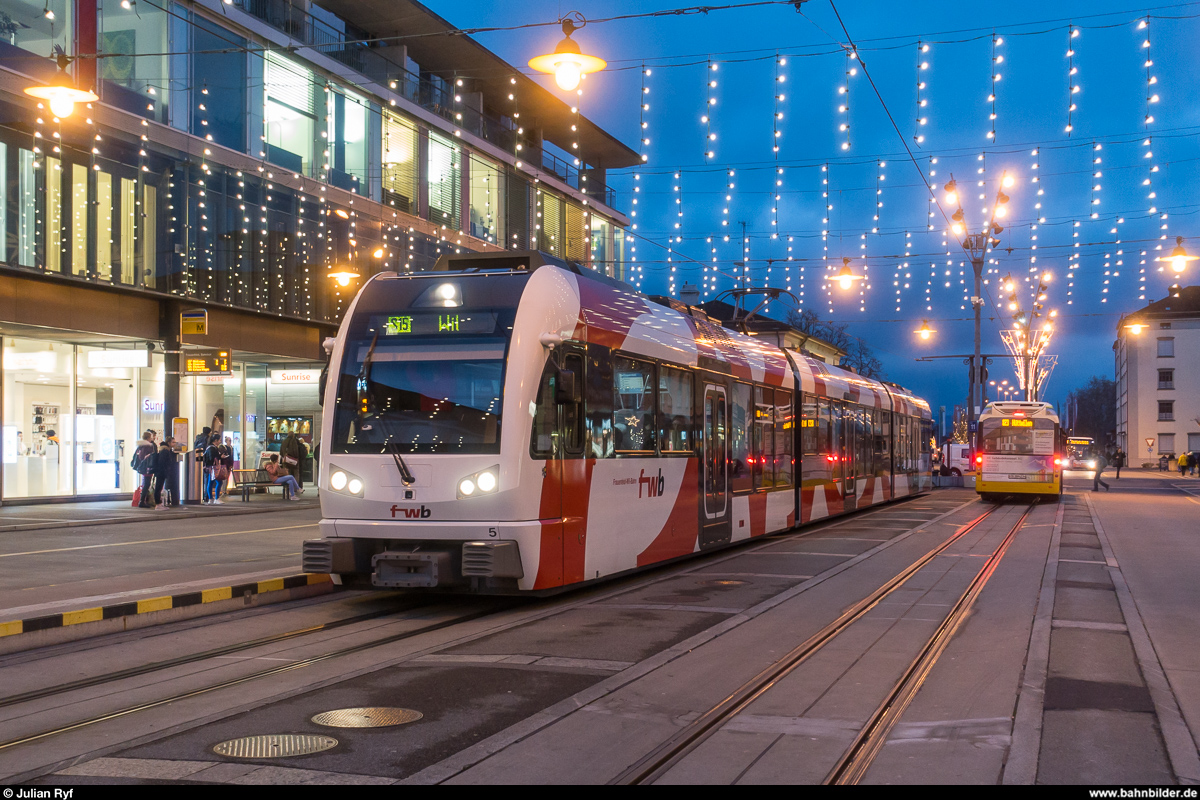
{"type": "Point", "coordinates": [977, 246]}
{"type": "Point", "coordinates": [343, 275]}
{"type": "Point", "coordinates": [61, 93]}
{"type": "Point", "coordinates": [1179, 257]}
{"type": "Point", "coordinates": [925, 331]}
{"type": "Point", "coordinates": [846, 276]}
{"type": "Point", "coordinates": [567, 63]}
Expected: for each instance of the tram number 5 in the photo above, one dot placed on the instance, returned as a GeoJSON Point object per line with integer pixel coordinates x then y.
{"type": "Point", "coordinates": [493, 532]}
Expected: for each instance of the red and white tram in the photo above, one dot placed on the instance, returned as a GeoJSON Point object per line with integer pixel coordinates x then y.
{"type": "Point", "coordinates": [514, 423]}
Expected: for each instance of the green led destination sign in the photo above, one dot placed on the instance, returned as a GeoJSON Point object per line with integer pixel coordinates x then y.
{"type": "Point", "coordinates": [441, 322]}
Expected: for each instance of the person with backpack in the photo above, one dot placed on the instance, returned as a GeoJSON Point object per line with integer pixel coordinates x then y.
{"type": "Point", "coordinates": [143, 464]}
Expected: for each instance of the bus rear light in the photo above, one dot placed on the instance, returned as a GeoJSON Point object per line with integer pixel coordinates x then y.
{"type": "Point", "coordinates": [1058, 462]}
{"type": "Point", "coordinates": [979, 459]}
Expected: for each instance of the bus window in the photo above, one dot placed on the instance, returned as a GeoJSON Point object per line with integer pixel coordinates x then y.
{"type": "Point", "coordinates": [739, 442]}
{"type": "Point", "coordinates": [633, 405]}
{"type": "Point", "coordinates": [785, 433]}
{"type": "Point", "coordinates": [675, 410]}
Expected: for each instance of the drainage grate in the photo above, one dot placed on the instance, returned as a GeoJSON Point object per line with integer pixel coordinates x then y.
{"type": "Point", "coordinates": [370, 717]}
{"type": "Point", "coordinates": [275, 745]}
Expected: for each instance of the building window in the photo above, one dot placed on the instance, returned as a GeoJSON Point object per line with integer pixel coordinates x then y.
{"type": "Point", "coordinates": [401, 172]}
{"type": "Point", "coordinates": [487, 201]}
{"type": "Point", "coordinates": [347, 123]}
{"type": "Point", "coordinates": [1164, 326]}
{"type": "Point", "coordinates": [218, 65]}
{"type": "Point", "coordinates": [1166, 348]}
{"type": "Point", "coordinates": [1166, 444]}
{"type": "Point", "coordinates": [445, 182]}
{"type": "Point", "coordinates": [289, 114]}
{"type": "Point", "coordinates": [1166, 410]}
{"type": "Point", "coordinates": [30, 26]}
{"type": "Point", "coordinates": [135, 73]}
{"type": "Point", "coordinates": [1166, 379]}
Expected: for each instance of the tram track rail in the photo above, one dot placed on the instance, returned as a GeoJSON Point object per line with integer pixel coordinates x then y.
{"type": "Point", "coordinates": [470, 615]}
{"type": "Point", "coordinates": [870, 739]}
{"type": "Point", "coordinates": [670, 573]}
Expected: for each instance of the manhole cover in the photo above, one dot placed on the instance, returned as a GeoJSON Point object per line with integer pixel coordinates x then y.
{"type": "Point", "coordinates": [275, 745]}
{"type": "Point", "coordinates": [377, 717]}
{"type": "Point", "coordinates": [721, 583]}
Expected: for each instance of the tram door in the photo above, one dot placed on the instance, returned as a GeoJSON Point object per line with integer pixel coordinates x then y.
{"type": "Point", "coordinates": [715, 525]}
{"type": "Point", "coordinates": [847, 444]}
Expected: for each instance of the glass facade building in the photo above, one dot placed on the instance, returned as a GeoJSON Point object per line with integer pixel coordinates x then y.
{"type": "Point", "coordinates": [222, 170]}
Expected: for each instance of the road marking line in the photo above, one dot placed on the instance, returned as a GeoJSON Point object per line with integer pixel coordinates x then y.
{"type": "Point", "coordinates": [154, 541]}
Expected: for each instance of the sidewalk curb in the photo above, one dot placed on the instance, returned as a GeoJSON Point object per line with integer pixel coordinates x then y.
{"type": "Point", "coordinates": [173, 514]}
{"type": "Point", "coordinates": [70, 626]}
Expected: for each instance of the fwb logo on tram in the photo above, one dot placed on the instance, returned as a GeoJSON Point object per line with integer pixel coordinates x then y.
{"type": "Point", "coordinates": [654, 486]}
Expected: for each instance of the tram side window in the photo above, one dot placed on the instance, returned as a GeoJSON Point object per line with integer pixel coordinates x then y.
{"type": "Point", "coordinates": [901, 425]}
{"type": "Point", "coordinates": [785, 432]}
{"type": "Point", "coordinates": [926, 444]}
{"type": "Point", "coordinates": [808, 426]}
{"type": "Point", "coordinates": [885, 440]}
{"type": "Point", "coordinates": [739, 441]}
{"type": "Point", "coordinates": [764, 433]}
{"type": "Point", "coordinates": [633, 405]}
{"type": "Point", "coordinates": [675, 425]}
{"type": "Point", "coordinates": [865, 448]}
{"type": "Point", "coordinates": [598, 395]}
{"type": "Point", "coordinates": [572, 413]}
{"type": "Point", "coordinates": [879, 444]}
{"type": "Point", "coordinates": [545, 415]}
{"type": "Point", "coordinates": [824, 432]}
{"type": "Point", "coordinates": [914, 434]}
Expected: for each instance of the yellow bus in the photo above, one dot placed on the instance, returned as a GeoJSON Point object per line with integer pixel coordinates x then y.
{"type": "Point", "coordinates": [1018, 451]}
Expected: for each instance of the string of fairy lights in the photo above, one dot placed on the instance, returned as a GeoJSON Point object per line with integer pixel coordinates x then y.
{"type": "Point", "coordinates": [1093, 254]}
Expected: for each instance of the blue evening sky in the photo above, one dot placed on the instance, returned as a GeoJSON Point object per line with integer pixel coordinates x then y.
{"type": "Point", "coordinates": [912, 273]}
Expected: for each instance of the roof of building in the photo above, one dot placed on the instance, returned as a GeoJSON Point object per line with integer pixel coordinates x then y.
{"type": "Point", "coordinates": [416, 27]}
{"type": "Point", "coordinates": [720, 310]}
{"type": "Point", "coordinates": [1187, 304]}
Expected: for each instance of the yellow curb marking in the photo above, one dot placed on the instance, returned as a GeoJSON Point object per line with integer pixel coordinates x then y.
{"type": "Point", "coordinates": [153, 604]}
{"type": "Point", "coordinates": [86, 615]}
{"type": "Point", "coordinates": [213, 595]}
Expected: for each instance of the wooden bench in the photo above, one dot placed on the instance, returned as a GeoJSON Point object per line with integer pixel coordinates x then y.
{"type": "Point", "coordinates": [248, 479]}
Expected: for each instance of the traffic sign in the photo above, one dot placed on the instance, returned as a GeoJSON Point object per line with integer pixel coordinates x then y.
{"type": "Point", "coordinates": [972, 426]}
{"type": "Point", "coordinates": [194, 322]}
{"type": "Point", "coordinates": [1149, 441]}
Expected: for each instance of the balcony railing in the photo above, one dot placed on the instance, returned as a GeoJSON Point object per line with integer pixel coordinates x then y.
{"type": "Point", "coordinates": [1166, 384]}
{"type": "Point", "coordinates": [1168, 416]}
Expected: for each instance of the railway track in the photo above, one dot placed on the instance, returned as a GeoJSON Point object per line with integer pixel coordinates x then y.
{"type": "Point", "coordinates": [857, 758]}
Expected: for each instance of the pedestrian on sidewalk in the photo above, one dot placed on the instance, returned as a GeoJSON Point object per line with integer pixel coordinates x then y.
{"type": "Point", "coordinates": [226, 468]}
{"type": "Point", "coordinates": [143, 465]}
{"type": "Point", "coordinates": [212, 463]}
{"type": "Point", "coordinates": [1164, 463]}
{"type": "Point", "coordinates": [1119, 460]}
{"type": "Point", "coordinates": [1182, 464]}
{"type": "Point", "coordinates": [162, 465]}
{"type": "Point", "coordinates": [293, 453]}
{"type": "Point", "coordinates": [278, 475]}
{"type": "Point", "coordinates": [1101, 465]}
{"type": "Point", "coordinates": [1191, 462]}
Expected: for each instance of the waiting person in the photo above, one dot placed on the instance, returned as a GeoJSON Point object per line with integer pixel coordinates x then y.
{"type": "Point", "coordinates": [1191, 462]}
{"type": "Point", "coordinates": [279, 476]}
{"type": "Point", "coordinates": [202, 440]}
{"type": "Point", "coordinates": [292, 452]}
{"type": "Point", "coordinates": [226, 451]}
{"type": "Point", "coordinates": [1119, 460]}
{"type": "Point", "coordinates": [1101, 465]}
{"type": "Point", "coordinates": [212, 463]}
{"type": "Point", "coordinates": [143, 464]}
{"type": "Point", "coordinates": [1182, 464]}
{"type": "Point", "coordinates": [1164, 463]}
{"type": "Point", "coordinates": [163, 469]}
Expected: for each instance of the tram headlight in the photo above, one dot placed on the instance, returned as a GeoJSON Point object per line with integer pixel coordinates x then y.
{"type": "Point", "coordinates": [345, 482]}
{"type": "Point", "coordinates": [483, 482]}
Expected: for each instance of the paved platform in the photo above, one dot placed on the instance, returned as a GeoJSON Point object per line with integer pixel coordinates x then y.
{"type": "Point", "coordinates": [42, 516]}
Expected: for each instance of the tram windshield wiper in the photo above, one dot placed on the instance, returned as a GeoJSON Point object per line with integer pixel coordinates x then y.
{"type": "Point", "coordinates": [405, 476]}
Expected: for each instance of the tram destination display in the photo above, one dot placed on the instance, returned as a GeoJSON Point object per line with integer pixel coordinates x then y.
{"type": "Point", "coordinates": [440, 322]}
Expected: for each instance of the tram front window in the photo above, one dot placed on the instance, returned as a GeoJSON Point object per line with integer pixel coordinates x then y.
{"type": "Point", "coordinates": [441, 398]}
{"type": "Point", "coordinates": [1017, 436]}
